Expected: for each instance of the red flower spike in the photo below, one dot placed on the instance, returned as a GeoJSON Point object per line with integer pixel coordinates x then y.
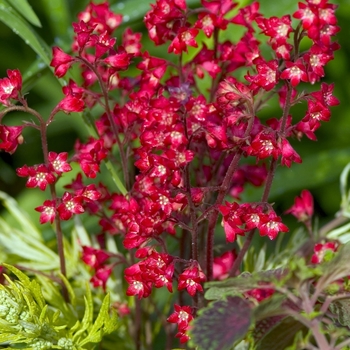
{"type": "Point", "coordinates": [38, 176]}
{"type": "Point", "coordinates": [48, 212]}
{"type": "Point", "coordinates": [60, 61]}
{"type": "Point", "coordinates": [58, 162]}
{"type": "Point", "coordinates": [303, 207]}
{"type": "Point", "coordinates": [10, 137]}
{"type": "Point", "coordinates": [10, 87]}
{"type": "Point", "coordinates": [70, 205]}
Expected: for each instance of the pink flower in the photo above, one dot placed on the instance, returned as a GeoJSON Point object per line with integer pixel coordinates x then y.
{"type": "Point", "coordinates": [38, 176]}
{"type": "Point", "coordinates": [295, 71]}
{"type": "Point", "coordinates": [10, 87]}
{"type": "Point", "coordinates": [70, 205]}
{"type": "Point", "coordinates": [321, 250]}
{"type": "Point", "coordinates": [61, 61]}
{"type": "Point", "coordinates": [73, 102]}
{"type": "Point", "coordinates": [58, 162]}
{"type": "Point", "coordinates": [222, 265]}
{"type": "Point", "coordinates": [191, 279]}
{"type": "Point", "coordinates": [303, 207]}
{"type": "Point", "coordinates": [272, 225]}
{"type": "Point", "coordinates": [48, 212]}
{"type": "Point", "coordinates": [94, 257]}
{"type": "Point", "coordinates": [182, 316]}
{"type": "Point", "coordinates": [186, 37]}
{"type": "Point", "coordinates": [10, 137]}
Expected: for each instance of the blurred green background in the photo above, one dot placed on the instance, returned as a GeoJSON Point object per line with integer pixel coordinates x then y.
{"type": "Point", "coordinates": [323, 161]}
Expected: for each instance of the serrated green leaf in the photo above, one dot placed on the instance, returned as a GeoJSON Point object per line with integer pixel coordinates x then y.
{"type": "Point", "coordinates": [10, 18]}
{"type": "Point", "coordinates": [102, 316]}
{"type": "Point", "coordinates": [71, 294]}
{"type": "Point", "coordinates": [19, 274]}
{"type": "Point", "coordinates": [23, 7]}
{"type": "Point", "coordinates": [222, 324]}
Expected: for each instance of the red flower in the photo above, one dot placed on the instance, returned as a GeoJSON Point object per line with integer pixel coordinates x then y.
{"type": "Point", "coordinates": [100, 278]}
{"type": "Point", "coordinates": [38, 176]}
{"type": "Point", "coordinates": [186, 37]}
{"type": "Point", "coordinates": [61, 61]}
{"type": "Point", "coordinates": [182, 316]}
{"type": "Point", "coordinates": [73, 102]}
{"type": "Point", "coordinates": [267, 76]}
{"type": "Point", "coordinates": [272, 225]}
{"type": "Point", "coordinates": [190, 280]}
{"type": "Point", "coordinates": [58, 162]}
{"type": "Point", "coordinates": [94, 257]}
{"type": "Point", "coordinates": [295, 71]}
{"type": "Point", "coordinates": [231, 221]}
{"type": "Point", "coordinates": [11, 137]}
{"type": "Point", "coordinates": [222, 265]}
{"type": "Point", "coordinates": [137, 285]}
{"type": "Point", "coordinates": [320, 251]}
{"type": "Point", "coordinates": [118, 61]}
{"type": "Point", "coordinates": [288, 154]}
{"type": "Point", "coordinates": [48, 211]}
{"type": "Point", "coordinates": [70, 205]}
{"type": "Point", "coordinates": [10, 87]}
{"type": "Point", "coordinates": [303, 207]}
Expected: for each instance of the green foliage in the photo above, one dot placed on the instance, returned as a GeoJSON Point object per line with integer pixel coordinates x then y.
{"type": "Point", "coordinates": [28, 320]}
{"type": "Point", "coordinates": [10, 17]}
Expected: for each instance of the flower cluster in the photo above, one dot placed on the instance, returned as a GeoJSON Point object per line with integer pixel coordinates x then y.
{"type": "Point", "coordinates": [182, 149]}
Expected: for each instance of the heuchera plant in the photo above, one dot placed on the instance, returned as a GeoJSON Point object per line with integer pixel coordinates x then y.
{"type": "Point", "coordinates": [181, 155]}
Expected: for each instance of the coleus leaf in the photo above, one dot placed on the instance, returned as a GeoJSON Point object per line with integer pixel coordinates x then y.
{"type": "Point", "coordinates": [281, 335]}
{"type": "Point", "coordinates": [341, 308]}
{"type": "Point", "coordinates": [222, 324]}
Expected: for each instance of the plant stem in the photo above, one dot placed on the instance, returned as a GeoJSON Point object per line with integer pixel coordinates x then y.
{"type": "Point", "coordinates": [59, 234]}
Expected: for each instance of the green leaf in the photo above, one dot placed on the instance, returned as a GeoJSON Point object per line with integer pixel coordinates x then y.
{"type": "Point", "coordinates": [282, 335]}
{"type": "Point", "coordinates": [10, 18]}
{"type": "Point", "coordinates": [21, 217]}
{"type": "Point", "coordinates": [26, 11]}
{"type": "Point", "coordinates": [240, 284]}
{"type": "Point", "coordinates": [222, 324]}
{"type": "Point", "coordinates": [58, 15]}
{"type": "Point", "coordinates": [341, 308]}
{"type": "Point", "coordinates": [336, 268]}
